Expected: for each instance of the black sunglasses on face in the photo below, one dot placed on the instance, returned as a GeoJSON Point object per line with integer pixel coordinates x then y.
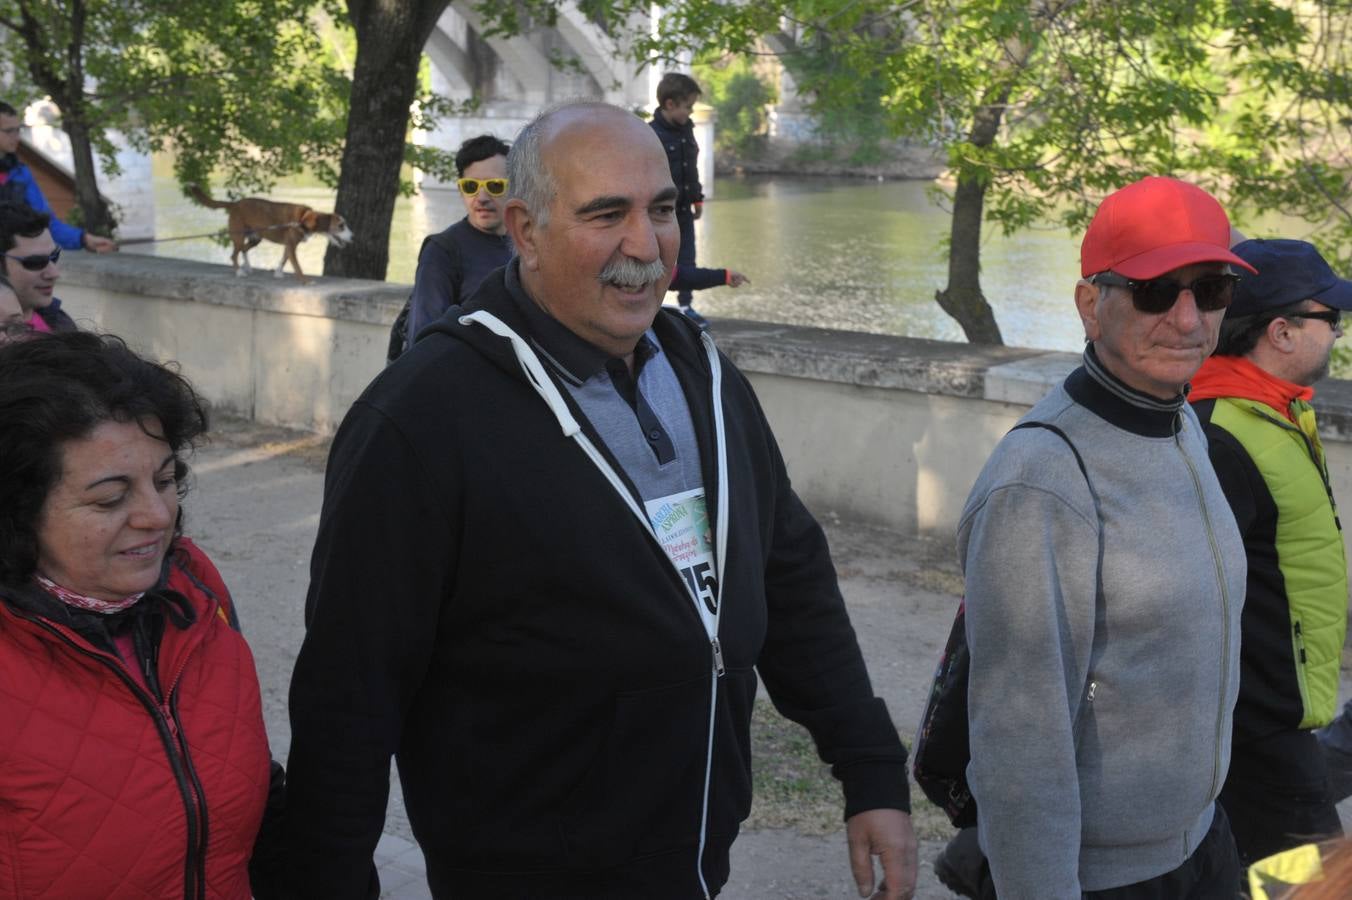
{"type": "Point", "coordinates": [1158, 295]}
{"type": "Point", "coordinates": [37, 262]}
{"type": "Point", "coordinates": [1333, 316]}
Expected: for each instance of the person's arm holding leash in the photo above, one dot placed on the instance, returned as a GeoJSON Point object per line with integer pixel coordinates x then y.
{"type": "Point", "coordinates": [67, 236]}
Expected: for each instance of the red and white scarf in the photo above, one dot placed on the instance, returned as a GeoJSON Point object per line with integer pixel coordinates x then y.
{"type": "Point", "coordinates": [80, 601]}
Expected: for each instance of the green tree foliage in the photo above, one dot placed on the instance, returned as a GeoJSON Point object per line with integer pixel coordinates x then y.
{"type": "Point", "coordinates": [740, 97]}
{"type": "Point", "coordinates": [236, 87]}
{"type": "Point", "coordinates": [1045, 106]}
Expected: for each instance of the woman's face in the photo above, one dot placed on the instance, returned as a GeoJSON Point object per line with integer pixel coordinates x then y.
{"type": "Point", "coordinates": [11, 313]}
{"type": "Point", "coordinates": [106, 525]}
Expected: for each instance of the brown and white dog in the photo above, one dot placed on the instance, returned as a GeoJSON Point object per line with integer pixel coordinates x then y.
{"type": "Point", "coordinates": [253, 219]}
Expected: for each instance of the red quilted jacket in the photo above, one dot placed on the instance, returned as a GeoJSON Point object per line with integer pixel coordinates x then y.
{"type": "Point", "coordinates": [106, 792]}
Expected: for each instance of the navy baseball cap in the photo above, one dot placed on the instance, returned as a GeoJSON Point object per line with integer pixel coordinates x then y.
{"type": "Point", "coordinates": [1288, 272]}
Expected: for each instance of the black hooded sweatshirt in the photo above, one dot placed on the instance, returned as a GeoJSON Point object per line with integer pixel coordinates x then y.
{"type": "Point", "coordinates": [484, 606]}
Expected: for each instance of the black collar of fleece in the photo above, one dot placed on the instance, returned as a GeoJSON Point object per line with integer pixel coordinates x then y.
{"type": "Point", "coordinates": [1110, 398]}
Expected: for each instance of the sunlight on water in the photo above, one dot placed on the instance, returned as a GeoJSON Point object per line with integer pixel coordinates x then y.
{"type": "Point", "coordinates": [834, 253]}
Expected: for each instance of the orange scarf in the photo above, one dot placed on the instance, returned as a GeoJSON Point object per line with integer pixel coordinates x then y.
{"type": "Point", "coordinates": [1235, 376]}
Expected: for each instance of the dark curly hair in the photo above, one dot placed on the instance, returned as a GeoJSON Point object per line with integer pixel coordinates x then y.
{"type": "Point", "coordinates": [20, 220]}
{"type": "Point", "coordinates": [58, 388]}
{"type": "Point", "coordinates": [477, 149]}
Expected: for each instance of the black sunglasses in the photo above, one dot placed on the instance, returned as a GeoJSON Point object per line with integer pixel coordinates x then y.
{"type": "Point", "coordinates": [1333, 316]}
{"type": "Point", "coordinates": [36, 262]}
{"type": "Point", "coordinates": [1158, 295]}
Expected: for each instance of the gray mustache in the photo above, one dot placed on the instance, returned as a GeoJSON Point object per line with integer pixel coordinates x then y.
{"type": "Point", "coordinates": [626, 270]}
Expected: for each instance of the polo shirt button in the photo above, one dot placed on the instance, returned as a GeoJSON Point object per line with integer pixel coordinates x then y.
{"type": "Point", "coordinates": [654, 434]}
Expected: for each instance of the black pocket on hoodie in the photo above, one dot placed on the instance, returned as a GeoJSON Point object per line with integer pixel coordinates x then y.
{"type": "Point", "coordinates": [644, 792]}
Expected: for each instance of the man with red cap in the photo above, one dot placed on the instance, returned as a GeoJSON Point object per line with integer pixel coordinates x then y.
{"type": "Point", "coordinates": [1103, 605]}
{"type": "Point", "coordinates": [1253, 399]}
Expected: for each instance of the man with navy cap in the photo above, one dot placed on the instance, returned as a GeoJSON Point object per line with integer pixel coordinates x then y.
{"type": "Point", "coordinates": [1253, 398]}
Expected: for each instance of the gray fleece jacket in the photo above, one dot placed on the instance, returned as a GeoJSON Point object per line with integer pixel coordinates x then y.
{"type": "Point", "coordinates": [1100, 728]}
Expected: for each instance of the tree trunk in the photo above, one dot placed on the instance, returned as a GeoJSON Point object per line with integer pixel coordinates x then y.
{"type": "Point", "coordinates": [95, 216]}
{"type": "Point", "coordinates": [962, 298]}
{"type": "Point", "coordinates": [390, 39]}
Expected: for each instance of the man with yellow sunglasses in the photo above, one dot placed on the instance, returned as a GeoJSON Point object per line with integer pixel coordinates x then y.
{"type": "Point", "coordinates": [452, 263]}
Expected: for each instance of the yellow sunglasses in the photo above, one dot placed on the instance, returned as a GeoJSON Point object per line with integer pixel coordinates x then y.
{"type": "Point", "coordinates": [496, 187]}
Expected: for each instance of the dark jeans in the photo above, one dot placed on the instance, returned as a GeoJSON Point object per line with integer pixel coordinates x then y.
{"type": "Point", "coordinates": [685, 218]}
{"type": "Point", "coordinates": [1337, 741]}
{"type": "Point", "coordinates": [1277, 795]}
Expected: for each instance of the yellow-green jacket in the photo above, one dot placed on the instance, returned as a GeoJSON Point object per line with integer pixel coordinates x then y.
{"type": "Point", "coordinates": [1275, 476]}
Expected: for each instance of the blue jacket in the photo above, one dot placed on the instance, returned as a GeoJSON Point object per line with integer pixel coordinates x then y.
{"type": "Point", "coordinates": [21, 188]}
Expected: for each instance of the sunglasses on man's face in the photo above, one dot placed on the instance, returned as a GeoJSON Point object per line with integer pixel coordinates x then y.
{"type": "Point", "coordinates": [496, 187]}
{"type": "Point", "coordinates": [1333, 316]}
{"type": "Point", "coordinates": [38, 261]}
{"type": "Point", "coordinates": [1158, 295]}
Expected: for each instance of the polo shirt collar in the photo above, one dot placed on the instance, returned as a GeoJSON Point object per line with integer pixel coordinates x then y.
{"type": "Point", "coordinates": [572, 358]}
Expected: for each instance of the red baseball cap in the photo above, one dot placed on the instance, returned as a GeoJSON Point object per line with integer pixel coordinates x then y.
{"type": "Point", "coordinates": [1155, 226]}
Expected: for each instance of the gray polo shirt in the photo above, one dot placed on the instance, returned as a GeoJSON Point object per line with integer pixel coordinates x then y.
{"type": "Point", "coordinates": [643, 419]}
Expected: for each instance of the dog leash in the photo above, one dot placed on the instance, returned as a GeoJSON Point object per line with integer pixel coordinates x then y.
{"type": "Point", "coordinates": [224, 232]}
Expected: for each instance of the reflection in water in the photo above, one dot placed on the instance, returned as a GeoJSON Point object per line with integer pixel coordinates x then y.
{"type": "Point", "coordinates": [834, 253]}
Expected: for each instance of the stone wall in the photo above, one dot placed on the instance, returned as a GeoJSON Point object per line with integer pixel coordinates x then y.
{"type": "Point", "coordinates": [873, 428]}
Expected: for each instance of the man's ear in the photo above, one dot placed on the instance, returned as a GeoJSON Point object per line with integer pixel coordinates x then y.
{"type": "Point", "coordinates": [1279, 335]}
{"type": "Point", "coordinates": [521, 229]}
{"type": "Point", "coordinates": [1087, 298]}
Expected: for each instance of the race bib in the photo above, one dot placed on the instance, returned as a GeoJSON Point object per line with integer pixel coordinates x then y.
{"type": "Point", "coordinates": [681, 523]}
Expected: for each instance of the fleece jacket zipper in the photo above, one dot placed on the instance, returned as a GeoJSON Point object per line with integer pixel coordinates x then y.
{"type": "Point", "coordinates": [539, 379]}
{"type": "Point", "coordinates": [1225, 614]}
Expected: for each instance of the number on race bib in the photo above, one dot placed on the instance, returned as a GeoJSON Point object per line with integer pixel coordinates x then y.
{"type": "Point", "coordinates": [703, 584]}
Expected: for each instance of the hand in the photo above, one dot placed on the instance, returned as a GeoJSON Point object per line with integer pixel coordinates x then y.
{"type": "Point", "coordinates": [887, 834]}
{"type": "Point", "coordinates": [697, 210]}
{"type": "Point", "coordinates": [99, 244]}
{"type": "Point", "coordinates": [737, 279]}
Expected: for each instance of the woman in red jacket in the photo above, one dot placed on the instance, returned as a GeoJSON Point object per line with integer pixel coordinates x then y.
{"type": "Point", "coordinates": [133, 759]}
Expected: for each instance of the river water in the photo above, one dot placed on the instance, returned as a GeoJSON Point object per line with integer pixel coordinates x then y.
{"type": "Point", "coordinates": [830, 252]}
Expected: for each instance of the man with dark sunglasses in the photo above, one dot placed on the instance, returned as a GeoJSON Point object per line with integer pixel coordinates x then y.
{"type": "Point", "coordinates": [1253, 398]}
{"type": "Point", "coordinates": [30, 264]}
{"type": "Point", "coordinates": [1103, 604]}
{"type": "Point", "coordinates": [452, 263]}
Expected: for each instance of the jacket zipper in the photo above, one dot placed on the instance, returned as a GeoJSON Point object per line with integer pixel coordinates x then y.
{"type": "Point", "coordinates": [1225, 614]}
{"type": "Point", "coordinates": [1313, 454]}
{"type": "Point", "coordinates": [176, 749]}
{"type": "Point", "coordinates": [539, 379]}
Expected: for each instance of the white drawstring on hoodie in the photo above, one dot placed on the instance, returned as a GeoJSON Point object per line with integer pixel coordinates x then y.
{"type": "Point", "coordinates": [549, 392]}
